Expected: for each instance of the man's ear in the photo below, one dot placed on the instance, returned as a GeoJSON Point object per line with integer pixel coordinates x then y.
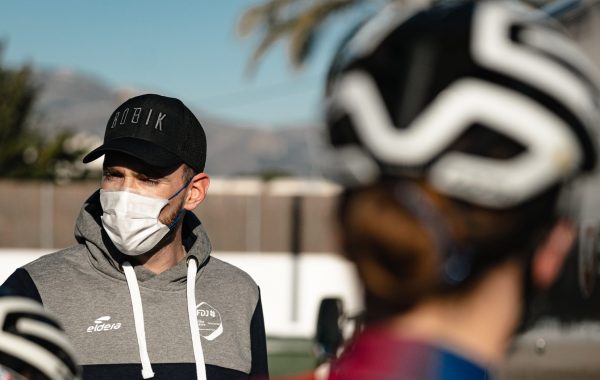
{"type": "Point", "coordinates": [197, 191]}
{"type": "Point", "coordinates": [550, 256]}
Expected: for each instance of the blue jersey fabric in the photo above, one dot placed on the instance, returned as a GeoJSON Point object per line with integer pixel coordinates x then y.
{"type": "Point", "coordinates": [378, 355]}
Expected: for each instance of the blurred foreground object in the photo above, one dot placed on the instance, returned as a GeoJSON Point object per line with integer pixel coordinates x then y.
{"type": "Point", "coordinates": [460, 133]}
{"type": "Point", "coordinates": [32, 345]}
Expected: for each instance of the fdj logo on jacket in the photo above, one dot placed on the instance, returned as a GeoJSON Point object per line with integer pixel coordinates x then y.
{"type": "Point", "coordinates": [103, 324]}
{"type": "Point", "coordinates": [209, 321]}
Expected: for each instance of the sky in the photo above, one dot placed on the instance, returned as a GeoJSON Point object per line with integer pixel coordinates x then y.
{"type": "Point", "coordinates": [185, 48]}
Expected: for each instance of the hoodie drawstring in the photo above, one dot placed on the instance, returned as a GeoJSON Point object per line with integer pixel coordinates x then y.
{"type": "Point", "coordinates": [193, 318]}
{"type": "Point", "coordinates": [138, 317]}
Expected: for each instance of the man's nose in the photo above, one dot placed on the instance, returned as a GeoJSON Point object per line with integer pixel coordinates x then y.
{"type": "Point", "coordinates": [130, 182]}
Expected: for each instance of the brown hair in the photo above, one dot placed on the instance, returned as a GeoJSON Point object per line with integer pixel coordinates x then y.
{"type": "Point", "coordinates": [188, 173]}
{"type": "Point", "coordinates": [399, 256]}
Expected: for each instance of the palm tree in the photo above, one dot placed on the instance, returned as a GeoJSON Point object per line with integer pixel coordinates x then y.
{"type": "Point", "coordinates": [296, 20]}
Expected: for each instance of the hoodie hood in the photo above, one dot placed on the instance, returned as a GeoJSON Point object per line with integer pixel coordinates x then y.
{"type": "Point", "coordinates": [105, 258]}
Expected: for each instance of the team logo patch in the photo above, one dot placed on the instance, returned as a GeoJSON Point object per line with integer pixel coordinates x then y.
{"type": "Point", "coordinates": [209, 321]}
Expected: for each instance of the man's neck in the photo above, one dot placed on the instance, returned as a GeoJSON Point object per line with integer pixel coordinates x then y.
{"type": "Point", "coordinates": [478, 324]}
{"type": "Point", "coordinates": [165, 258]}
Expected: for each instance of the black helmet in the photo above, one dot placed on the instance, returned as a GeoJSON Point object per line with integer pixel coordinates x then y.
{"type": "Point", "coordinates": [409, 85]}
{"type": "Point", "coordinates": [32, 344]}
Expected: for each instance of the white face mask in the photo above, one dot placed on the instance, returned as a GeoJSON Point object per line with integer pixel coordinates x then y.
{"type": "Point", "coordinates": [131, 220]}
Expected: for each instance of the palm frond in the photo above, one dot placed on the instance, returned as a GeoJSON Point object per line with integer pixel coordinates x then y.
{"type": "Point", "coordinates": [306, 27]}
{"type": "Point", "coordinates": [271, 36]}
{"type": "Point", "coordinates": [299, 21]}
{"type": "Point", "coordinates": [267, 13]}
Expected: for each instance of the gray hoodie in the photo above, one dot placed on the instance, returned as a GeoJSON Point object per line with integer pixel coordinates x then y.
{"type": "Point", "coordinates": [86, 288]}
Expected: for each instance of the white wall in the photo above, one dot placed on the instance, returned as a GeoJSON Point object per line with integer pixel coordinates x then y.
{"type": "Point", "coordinates": [291, 288]}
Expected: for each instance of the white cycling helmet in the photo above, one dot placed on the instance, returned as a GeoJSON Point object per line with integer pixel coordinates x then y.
{"type": "Point", "coordinates": [409, 86]}
{"type": "Point", "coordinates": [32, 345]}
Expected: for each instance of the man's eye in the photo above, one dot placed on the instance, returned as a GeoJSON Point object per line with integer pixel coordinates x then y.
{"type": "Point", "coordinates": [151, 181]}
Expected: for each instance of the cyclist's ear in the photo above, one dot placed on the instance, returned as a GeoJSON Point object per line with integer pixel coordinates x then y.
{"type": "Point", "coordinates": [550, 256]}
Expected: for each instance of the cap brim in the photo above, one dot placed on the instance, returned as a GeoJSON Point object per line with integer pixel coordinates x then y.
{"type": "Point", "coordinates": [143, 150]}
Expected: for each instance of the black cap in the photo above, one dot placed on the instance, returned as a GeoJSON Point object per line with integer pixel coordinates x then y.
{"type": "Point", "coordinates": [158, 130]}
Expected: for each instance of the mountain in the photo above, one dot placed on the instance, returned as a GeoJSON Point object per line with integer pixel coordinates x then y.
{"type": "Point", "coordinates": [81, 103]}
{"type": "Point", "coordinates": [72, 101]}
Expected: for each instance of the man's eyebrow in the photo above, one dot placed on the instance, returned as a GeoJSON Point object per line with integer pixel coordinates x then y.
{"type": "Point", "coordinates": [149, 174]}
{"type": "Point", "coordinates": [153, 172]}
{"type": "Point", "coordinates": [109, 169]}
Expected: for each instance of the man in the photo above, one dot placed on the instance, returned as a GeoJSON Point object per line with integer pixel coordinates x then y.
{"type": "Point", "coordinates": [139, 295]}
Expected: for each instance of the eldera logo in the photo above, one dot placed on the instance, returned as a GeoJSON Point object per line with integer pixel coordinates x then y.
{"type": "Point", "coordinates": [103, 324]}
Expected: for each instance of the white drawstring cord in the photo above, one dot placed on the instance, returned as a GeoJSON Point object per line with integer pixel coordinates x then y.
{"type": "Point", "coordinates": [138, 317]}
{"type": "Point", "coordinates": [193, 318]}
